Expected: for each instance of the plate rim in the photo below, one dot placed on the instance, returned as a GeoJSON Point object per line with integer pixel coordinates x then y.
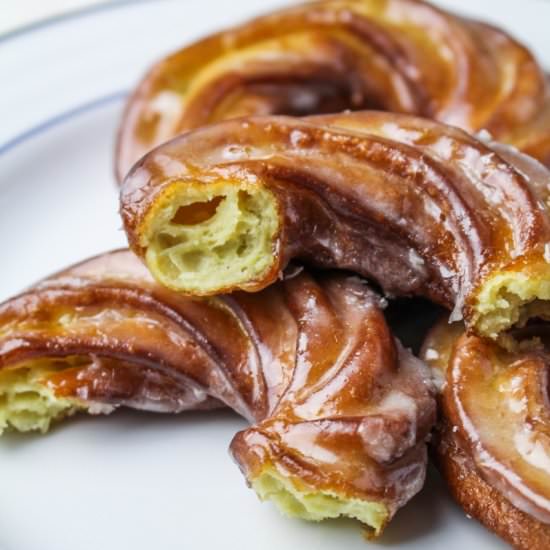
{"type": "Point", "coordinates": [60, 118]}
{"type": "Point", "coordinates": [77, 13]}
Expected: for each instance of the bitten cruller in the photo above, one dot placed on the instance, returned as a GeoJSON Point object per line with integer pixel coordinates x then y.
{"type": "Point", "coordinates": [339, 411]}
{"type": "Point", "coordinates": [420, 207]}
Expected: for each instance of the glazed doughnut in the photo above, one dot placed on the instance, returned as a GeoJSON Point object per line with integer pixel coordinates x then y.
{"type": "Point", "coordinates": [393, 55]}
{"type": "Point", "coordinates": [340, 412]}
{"type": "Point", "coordinates": [420, 207]}
{"type": "Point", "coordinates": [493, 442]}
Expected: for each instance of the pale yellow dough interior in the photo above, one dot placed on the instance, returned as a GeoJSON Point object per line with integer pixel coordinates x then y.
{"type": "Point", "coordinates": [203, 238]}
{"type": "Point", "coordinates": [317, 505]}
{"type": "Point", "coordinates": [511, 298]}
{"type": "Point", "coordinates": [27, 403]}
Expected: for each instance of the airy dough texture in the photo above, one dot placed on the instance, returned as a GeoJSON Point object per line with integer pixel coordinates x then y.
{"type": "Point", "coordinates": [26, 403]}
{"type": "Point", "coordinates": [316, 505]}
{"type": "Point", "coordinates": [511, 298]}
{"type": "Point", "coordinates": [200, 239]}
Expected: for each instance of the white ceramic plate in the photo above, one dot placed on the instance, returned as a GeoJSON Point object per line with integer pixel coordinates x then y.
{"type": "Point", "coordinates": [137, 481]}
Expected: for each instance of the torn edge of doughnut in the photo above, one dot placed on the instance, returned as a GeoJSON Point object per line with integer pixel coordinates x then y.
{"type": "Point", "coordinates": [296, 500]}
{"type": "Point", "coordinates": [204, 239]}
{"type": "Point", "coordinates": [28, 403]}
{"type": "Point", "coordinates": [510, 298]}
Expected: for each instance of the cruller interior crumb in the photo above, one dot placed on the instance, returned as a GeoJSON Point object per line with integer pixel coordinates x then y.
{"type": "Point", "coordinates": [296, 500]}
{"type": "Point", "coordinates": [27, 403]}
{"type": "Point", "coordinates": [200, 238]}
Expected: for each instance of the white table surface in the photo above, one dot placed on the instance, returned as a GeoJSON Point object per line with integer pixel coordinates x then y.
{"type": "Point", "coordinates": [15, 14]}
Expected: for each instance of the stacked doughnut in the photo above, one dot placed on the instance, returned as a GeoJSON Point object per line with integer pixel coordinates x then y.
{"type": "Point", "coordinates": [418, 207]}
{"type": "Point", "coordinates": [402, 56]}
{"type": "Point", "coordinates": [254, 230]}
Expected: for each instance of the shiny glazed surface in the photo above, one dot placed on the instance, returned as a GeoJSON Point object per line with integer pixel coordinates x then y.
{"type": "Point", "coordinates": [396, 55]}
{"type": "Point", "coordinates": [420, 207]}
{"type": "Point", "coordinates": [496, 402]}
{"type": "Point", "coordinates": [336, 401]}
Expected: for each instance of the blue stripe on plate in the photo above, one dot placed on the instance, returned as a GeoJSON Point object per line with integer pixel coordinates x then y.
{"type": "Point", "coordinates": [68, 16]}
{"type": "Point", "coordinates": [61, 118]}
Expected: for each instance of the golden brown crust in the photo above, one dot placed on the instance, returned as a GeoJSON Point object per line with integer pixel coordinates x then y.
{"type": "Point", "coordinates": [336, 402]}
{"type": "Point", "coordinates": [480, 500]}
{"type": "Point", "coordinates": [421, 207]}
{"type": "Point", "coordinates": [492, 442]}
{"type": "Point", "coordinates": [395, 55]}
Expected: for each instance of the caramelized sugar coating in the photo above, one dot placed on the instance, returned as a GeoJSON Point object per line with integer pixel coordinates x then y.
{"type": "Point", "coordinates": [395, 55]}
{"type": "Point", "coordinates": [340, 412]}
{"type": "Point", "coordinates": [420, 207]}
{"type": "Point", "coordinates": [493, 443]}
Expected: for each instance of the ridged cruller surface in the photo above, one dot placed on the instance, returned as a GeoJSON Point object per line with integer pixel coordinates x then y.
{"type": "Point", "coordinates": [340, 412]}
{"type": "Point", "coordinates": [420, 207]}
{"type": "Point", "coordinates": [492, 444]}
{"type": "Point", "coordinates": [393, 55]}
